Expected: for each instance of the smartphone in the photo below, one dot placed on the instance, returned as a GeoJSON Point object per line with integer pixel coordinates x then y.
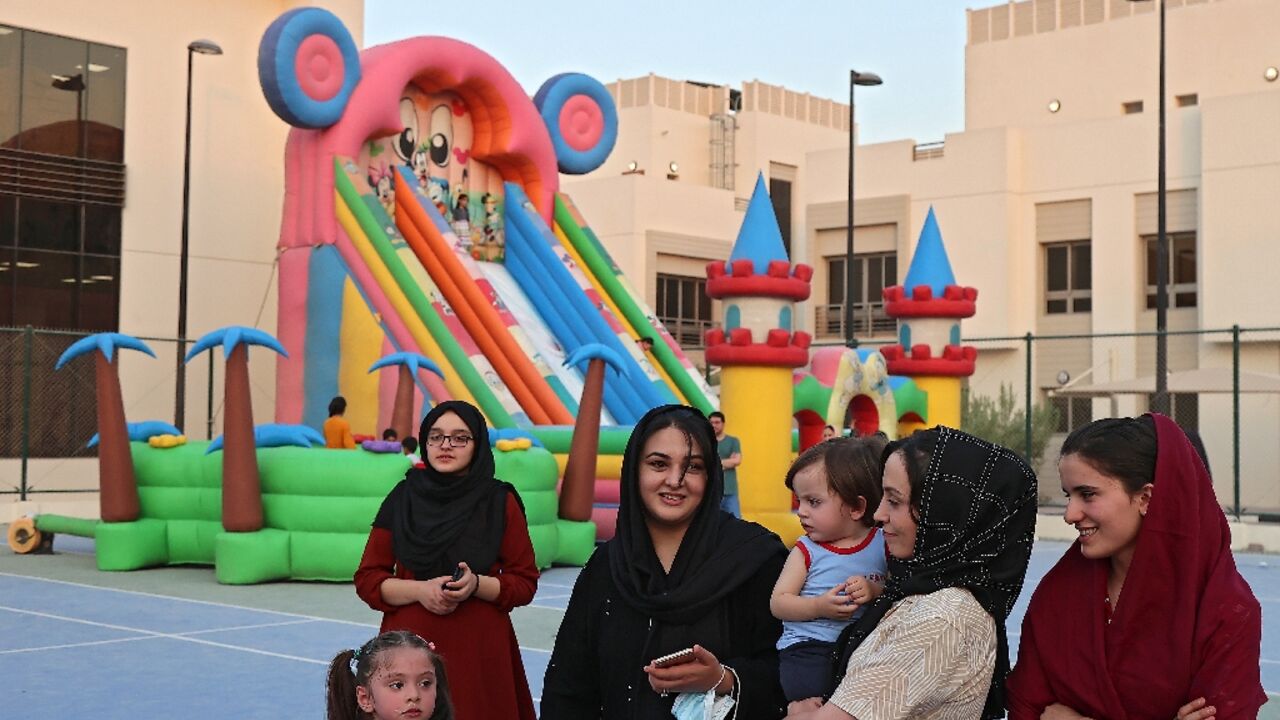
{"type": "Point", "coordinates": [678, 657]}
{"type": "Point", "coordinates": [457, 574]}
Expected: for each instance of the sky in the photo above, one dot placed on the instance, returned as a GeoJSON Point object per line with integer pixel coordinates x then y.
{"type": "Point", "coordinates": [916, 46]}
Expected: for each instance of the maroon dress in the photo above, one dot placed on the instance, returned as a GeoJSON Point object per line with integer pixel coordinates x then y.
{"type": "Point", "coordinates": [482, 658]}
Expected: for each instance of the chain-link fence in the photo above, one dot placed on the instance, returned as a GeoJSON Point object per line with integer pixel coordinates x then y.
{"type": "Point", "coordinates": [48, 416]}
{"type": "Point", "coordinates": [1223, 388]}
{"type": "Point", "coordinates": [1028, 392]}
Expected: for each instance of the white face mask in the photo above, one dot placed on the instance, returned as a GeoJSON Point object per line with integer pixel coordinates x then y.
{"type": "Point", "coordinates": [701, 706]}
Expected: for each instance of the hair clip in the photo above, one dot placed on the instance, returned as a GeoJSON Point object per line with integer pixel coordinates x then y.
{"type": "Point", "coordinates": [431, 646]}
{"type": "Point", "coordinates": [354, 663]}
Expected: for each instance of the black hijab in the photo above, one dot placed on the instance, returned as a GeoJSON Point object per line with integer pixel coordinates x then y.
{"type": "Point", "coordinates": [438, 520]}
{"type": "Point", "coordinates": [977, 522]}
{"type": "Point", "coordinates": [718, 554]}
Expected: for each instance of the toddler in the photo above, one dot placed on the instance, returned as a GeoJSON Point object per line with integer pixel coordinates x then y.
{"type": "Point", "coordinates": [837, 567]}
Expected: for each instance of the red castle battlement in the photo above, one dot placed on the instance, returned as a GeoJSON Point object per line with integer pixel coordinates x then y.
{"type": "Point", "coordinates": [780, 348]}
{"type": "Point", "coordinates": [956, 302]}
{"type": "Point", "coordinates": [738, 278]}
{"type": "Point", "coordinates": [956, 360]}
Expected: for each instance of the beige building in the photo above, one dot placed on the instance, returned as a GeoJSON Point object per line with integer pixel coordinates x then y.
{"type": "Point", "coordinates": [103, 252]}
{"type": "Point", "coordinates": [1045, 212]}
{"type": "Point", "coordinates": [1046, 201]}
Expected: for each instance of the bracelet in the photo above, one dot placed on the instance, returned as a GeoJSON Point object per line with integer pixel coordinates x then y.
{"type": "Point", "coordinates": [724, 669]}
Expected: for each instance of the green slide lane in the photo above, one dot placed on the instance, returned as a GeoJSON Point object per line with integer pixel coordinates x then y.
{"type": "Point", "coordinates": [591, 251]}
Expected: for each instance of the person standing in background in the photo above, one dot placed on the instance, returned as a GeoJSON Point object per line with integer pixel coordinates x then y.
{"type": "Point", "coordinates": [729, 448]}
{"type": "Point", "coordinates": [337, 431]}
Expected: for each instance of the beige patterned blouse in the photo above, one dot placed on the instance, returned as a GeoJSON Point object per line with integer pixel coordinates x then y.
{"type": "Point", "coordinates": [931, 657]}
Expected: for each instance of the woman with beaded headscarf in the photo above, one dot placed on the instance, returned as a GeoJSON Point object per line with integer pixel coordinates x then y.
{"type": "Point", "coordinates": [958, 518]}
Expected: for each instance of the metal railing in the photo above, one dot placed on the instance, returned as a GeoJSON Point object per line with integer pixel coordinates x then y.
{"type": "Point", "coordinates": [869, 321]}
{"type": "Point", "coordinates": [688, 333]}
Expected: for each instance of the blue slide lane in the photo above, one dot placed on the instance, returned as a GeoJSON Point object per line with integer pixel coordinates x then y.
{"type": "Point", "coordinates": [324, 324]}
{"type": "Point", "coordinates": [550, 302]}
{"type": "Point", "coordinates": [539, 238]}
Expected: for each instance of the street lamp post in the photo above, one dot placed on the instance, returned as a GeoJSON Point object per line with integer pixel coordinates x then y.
{"type": "Point", "coordinates": [1160, 401]}
{"type": "Point", "coordinates": [197, 47]}
{"type": "Point", "coordinates": [855, 78]}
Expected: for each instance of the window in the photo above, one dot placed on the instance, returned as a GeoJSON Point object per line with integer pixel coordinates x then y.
{"type": "Point", "coordinates": [683, 306]}
{"type": "Point", "coordinates": [61, 180]}
{"type": "Point", "coordinates": [780, 195]}
{"type": "Point", "coordinates": [1132, 107]}
{"type": "Point", "coordinates": [1068, 278]}
{"type": "Point", "coordinates": [1188, 100]}
{"type": "Point", "coordinates": [1182, 270]}
{"type": "Point", "coordinates": [872, 273]}
{"type": "Point", "coordinates": [1073, 412]}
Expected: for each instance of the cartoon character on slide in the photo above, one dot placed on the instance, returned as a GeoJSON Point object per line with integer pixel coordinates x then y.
{"type": "Point", "coordinates": [380, 181]}
{"type": "Point", "coordinates": [493, 239]}
{"type": "Point", "coordinates": [426, 146]}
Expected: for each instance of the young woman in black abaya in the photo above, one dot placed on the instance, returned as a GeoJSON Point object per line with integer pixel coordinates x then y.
{"type": "Point", "coordinates": [679, 573]}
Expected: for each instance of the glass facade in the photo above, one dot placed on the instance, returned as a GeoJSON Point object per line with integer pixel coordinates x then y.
{"type": "Point", "coordinates": [62, 109]}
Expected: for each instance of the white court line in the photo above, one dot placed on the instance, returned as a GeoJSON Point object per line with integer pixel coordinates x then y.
{"type": "Point", "coordinates": [189, 600]}
{"type": "Point", "coordinates": [76, 645]}
{"type": "Point", "coordinates": [149, 637]}
{"type": "Point", "coordinates": [170, 636]}
{"type": "Point", "coordinates": [244, 627]}
{"type": "Point", "coordinates": [305, 618]}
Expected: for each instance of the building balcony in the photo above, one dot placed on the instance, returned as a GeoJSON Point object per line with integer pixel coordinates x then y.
{"type": "Point", "coordinates": [688, 332]}
{"type": "Point", "coordinates": [869, 321]}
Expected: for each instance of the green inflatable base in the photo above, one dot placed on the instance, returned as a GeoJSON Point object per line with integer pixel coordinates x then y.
{"type": "Point", "coordinates": [131, 545]}
{"type": "Point", "coordinates": [249, 558]}
{"type": "Point", "coordinates": [63, 525]}
{"type": "Point", "coordinates": [577, 542]}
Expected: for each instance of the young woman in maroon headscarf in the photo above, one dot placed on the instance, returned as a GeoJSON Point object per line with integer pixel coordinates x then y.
{"type": "Point", "coordinates": [1183, 639]}
{"type": "Point", "coordinates": [449, 515]}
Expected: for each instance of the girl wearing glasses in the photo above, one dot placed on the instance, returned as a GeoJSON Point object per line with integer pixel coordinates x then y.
{"type": "Point", "coordinates": [448, 558]}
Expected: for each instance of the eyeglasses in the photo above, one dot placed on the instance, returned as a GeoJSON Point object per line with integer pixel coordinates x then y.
{"type": "Point", "coordinates": [458, 441]}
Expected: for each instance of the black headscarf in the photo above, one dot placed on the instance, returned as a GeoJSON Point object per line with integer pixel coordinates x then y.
{"type": "Point", "coordinates": [438, 520]}
{"type": "Point", "coordinates": [977, 523]}
{"type": "Point", "coordinates": [718, 554]}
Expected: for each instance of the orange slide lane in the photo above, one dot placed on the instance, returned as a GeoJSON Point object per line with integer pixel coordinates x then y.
{"type": "Point", "coordinates": [474, 312]}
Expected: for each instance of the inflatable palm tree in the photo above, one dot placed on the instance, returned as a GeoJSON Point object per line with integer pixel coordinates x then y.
{"type": "Point", "coordinates": [578, 490]}
{"type": "Point", "coordinates": [408, 365]}
{"type": "Point", "coordinates": [118, 490]}
{"type": "Point", "coordinates": [241, 485]}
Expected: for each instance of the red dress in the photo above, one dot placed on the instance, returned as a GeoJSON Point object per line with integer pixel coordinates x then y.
{"type": "Point", "coordinates": [482, 658]}
{"type": "Point", "coordinates": [1186, 626]}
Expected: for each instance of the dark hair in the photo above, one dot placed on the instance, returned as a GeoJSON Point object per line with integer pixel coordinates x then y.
{"type": "Point", "coordinates": [410, 444]}
{"type": "Point", "coordinates": [695, 428]}
{"type": "Point", "coordinates": [852, 468]}
{"type": "Point", "coordinates": [832, 428]}
{"type": "Point", "coordinates": [337, 406]}
{"type": "Point", "coordinates": [1122, 448]}
{"type": "Point", "coordinates": [646, 339]}
{"type": "Point", "coordinates": [917, 451]}
{"type": "Point", "coordinates": [341, 686]}
{"type": "Point", "coordinates": [715, 414]}
{"type": "Point", "coordinates": [390, 434]}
